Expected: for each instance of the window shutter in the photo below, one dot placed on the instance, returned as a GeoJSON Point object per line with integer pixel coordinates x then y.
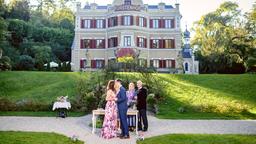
{"type": "Point", "coordinates": [93, 63]}
{"type": "Point", "coordinates": [164, 63]}
{"type": "Point", "coordinates": [173, 23]}
{"type": "Point", "coordinates": [173, 63]}
{"type": "Point", "coordinates": [82, 23]}
{"type": "Point", "coordinates": [108, 22]}
{"type": "Point", "coordinates": [161, 43]}
{"type": "Point", "coordinates": [94, 23]}
{"type": "Point", "coordinates": [163, 23]}
{"type": "Point", "coordinates": [116, 42]}
{"type": "Point", "coordinates": [145, 43]}
{"type": "Point", "coordinates": [173, 43]}
{"type": "Point", "coordinates": [122, 20]}
{"type": "Point", "coordinates": [109, 40]}
{"type": "Point", "coordinates": [160, 64]}
{"type": "Point", "coordinates": [93, 43]}
{"type": "Point", "coordinates": [137, 20]}
{"type": "Point", "coordinates": [145, 22]}
{"type": "Point", "coordinates": [90, 43]}
{"type": "Point", "coordinates": [103, 63]}
{"type": "Point", "coordinates": [138, 41]}
{"type": "Point", "coordinates": [81, 43]}
{"type": "Point", "coordinates": [81, 64]}
{"type": "Point", "coordinates": [104, 23]}
{"type": "Point", "coordinates": [164, 46]}
{"type": "Point", "coordinates": [160, 23]}
{"type": "Point", "coordinates": [151, 43]}
{"type": "Point", "coordinates": [131, 17]}
{"type": "Point", "coordinates": [104, 43]}
{"type": "Point", "coordinates": [151, 23]}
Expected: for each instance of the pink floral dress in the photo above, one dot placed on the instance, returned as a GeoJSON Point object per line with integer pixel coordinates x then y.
{"type": "Point", "coordinates": [109, 127]}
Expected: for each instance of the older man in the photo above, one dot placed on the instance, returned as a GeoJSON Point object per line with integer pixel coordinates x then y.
{"type": "Point", "coordinates": [142, 106]}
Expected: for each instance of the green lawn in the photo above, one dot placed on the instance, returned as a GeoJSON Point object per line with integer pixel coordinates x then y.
{"type": "Point", "coordinates": [37, 86]}
{"type": "Point", "coordinates": [34, 138]}
{"type": "Point", "coordinates": [200, 139]}
{"type": "Point", "coordinates": [210, 96]}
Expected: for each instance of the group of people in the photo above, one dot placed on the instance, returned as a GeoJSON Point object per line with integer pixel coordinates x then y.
{"type": "Point", "coordinates": [118, 102]}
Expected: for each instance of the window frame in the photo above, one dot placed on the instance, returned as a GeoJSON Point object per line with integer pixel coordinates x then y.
{"type": "Point", "coordinates": [127, 41]}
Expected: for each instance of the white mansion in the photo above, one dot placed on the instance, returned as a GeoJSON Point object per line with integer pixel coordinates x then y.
{"type": "Point", "coordinates": [128, 27]}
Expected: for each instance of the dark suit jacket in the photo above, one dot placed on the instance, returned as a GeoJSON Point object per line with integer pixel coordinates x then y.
{"type": "Point", "coordinates": [122, 99]}
{"type": "Point", "coordinates": [142, 98]}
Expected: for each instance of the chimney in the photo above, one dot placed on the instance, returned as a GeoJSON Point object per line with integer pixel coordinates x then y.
{"type": "Point", "coordinates": [177, 5]}
{"type": "Point", "coordinates": [78, 6]}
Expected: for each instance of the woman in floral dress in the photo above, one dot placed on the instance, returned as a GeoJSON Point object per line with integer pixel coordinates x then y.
{"type": "Point", "coordinates": [109, 128]}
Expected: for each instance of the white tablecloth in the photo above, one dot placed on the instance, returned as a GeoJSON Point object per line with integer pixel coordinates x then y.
{"type": "Point", "coordinates": [65, 105]}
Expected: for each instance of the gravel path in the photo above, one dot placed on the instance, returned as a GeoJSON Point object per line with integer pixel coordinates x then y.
{"type": "Point", "coordinates": [79, 126]}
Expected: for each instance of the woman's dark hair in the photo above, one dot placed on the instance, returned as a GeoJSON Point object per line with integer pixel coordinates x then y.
{"type": "Point", "coordinates": [111, 85]}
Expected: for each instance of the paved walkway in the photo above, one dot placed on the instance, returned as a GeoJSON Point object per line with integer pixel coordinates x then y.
{"type": "Point", "coordinates": [80, 126]}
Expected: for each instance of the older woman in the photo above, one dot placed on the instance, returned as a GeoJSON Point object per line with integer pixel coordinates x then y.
{"type": "Point", "coordinates": [131, 102]}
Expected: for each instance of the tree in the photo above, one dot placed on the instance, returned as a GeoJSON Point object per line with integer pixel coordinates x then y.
{"type": "Point", "coordinates": [221, 39]}
{"type": "Point", "coordinates": [5, 63]}
{"type": "Point", "coordinates": [25, 63]}
{"type": "Point", "coordinates": [19, 30]}
{"type": "Point", "coordinates": [19, 9]}
{"type": "Point", "coordinates": [64, 18]}
{"type": "Point", "coordinates": [42, 56]}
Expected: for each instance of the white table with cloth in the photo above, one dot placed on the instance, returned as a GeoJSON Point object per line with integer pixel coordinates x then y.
{"type": "Point", "coordinates": [98, 112]}
{"type": "Point", "coordinates": [61, 108]}
{"type": "Point", "coordinates": [58, 105]}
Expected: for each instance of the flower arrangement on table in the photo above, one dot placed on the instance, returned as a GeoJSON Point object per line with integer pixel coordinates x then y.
{"type": "Point", "coordinates": [62, 99]}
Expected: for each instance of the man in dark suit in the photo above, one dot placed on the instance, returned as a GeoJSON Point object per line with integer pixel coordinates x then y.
{"type": "Point", "coordinates": [142, 106]}
{"type": "Point", "coordinates": [122, 109]}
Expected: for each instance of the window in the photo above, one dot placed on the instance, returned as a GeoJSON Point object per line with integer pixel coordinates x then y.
{"type": "Point", "coordinates": [99, 43]}
{"type": "Point", "coordinates": [127, 2]}
{"type": "Point", "coordinates": [112, 21]}
{"type": "Point", "coordinates": [169, 43]}
{"type": "Point", "coordinates": [127, 40]}
{"type": "Point", "coordinates": [86, 43]}
{"type": "Point", "coordinates": [156, 63]}
{"type": "Point", "coordinates": [127, 20]}
{"type": "Point", "coordinates": [141, 21]}
{"type": "Point", "coordinates": [83, 63]}
{"type": "Point", "coordinates": [99, 23]}
{"type": "Point", "coordinates": [168, 23]}
{"type": "Point", "coordinates": [186, 66]}
{"type": "Point", "coordinates": [141, 42]}
{"type": "Point", "coordinates": [87, 23]}
{"type": "Point", "coordinates": [155, 23]}
{"type": "Point", "coordinates": [155, 43]}
{"type": "Point", "coordinates": [170, 63]}
{"type": "Point", "coordinates": [112, 42]}
{"type": "Point", "coordinates": [97, 63]}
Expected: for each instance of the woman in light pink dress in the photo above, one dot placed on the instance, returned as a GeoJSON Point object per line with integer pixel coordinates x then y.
{"type": "Point", "coordinates": [109, 128]}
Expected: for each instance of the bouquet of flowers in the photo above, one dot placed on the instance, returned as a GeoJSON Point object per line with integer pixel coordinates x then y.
{"type": "Point", "coordinates": [62, 98]}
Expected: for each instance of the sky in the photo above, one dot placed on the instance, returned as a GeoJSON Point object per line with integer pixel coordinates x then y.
{"type": "Point", "coordinates": [191, 10]}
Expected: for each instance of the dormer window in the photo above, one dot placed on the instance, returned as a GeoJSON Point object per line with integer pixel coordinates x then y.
{"type": "Point", "coordinates": [127, 2]}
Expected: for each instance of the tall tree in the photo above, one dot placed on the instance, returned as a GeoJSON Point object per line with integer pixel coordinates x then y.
{"type": "Point", "coordinates": [221, 39]}
{"type": "Point", "coordinates": [19, 9]}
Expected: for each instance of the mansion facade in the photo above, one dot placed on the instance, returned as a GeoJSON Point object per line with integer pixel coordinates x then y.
{"type": "Point", "coordinates": [151, 33]}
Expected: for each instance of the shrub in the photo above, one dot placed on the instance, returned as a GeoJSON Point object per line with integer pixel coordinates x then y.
{"type": "Point", "coordinates": [23, 105]}
{"type": "Point", "coordinates": [5, 63]}
{"type": "Point", "coordinates": [25, 63]}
